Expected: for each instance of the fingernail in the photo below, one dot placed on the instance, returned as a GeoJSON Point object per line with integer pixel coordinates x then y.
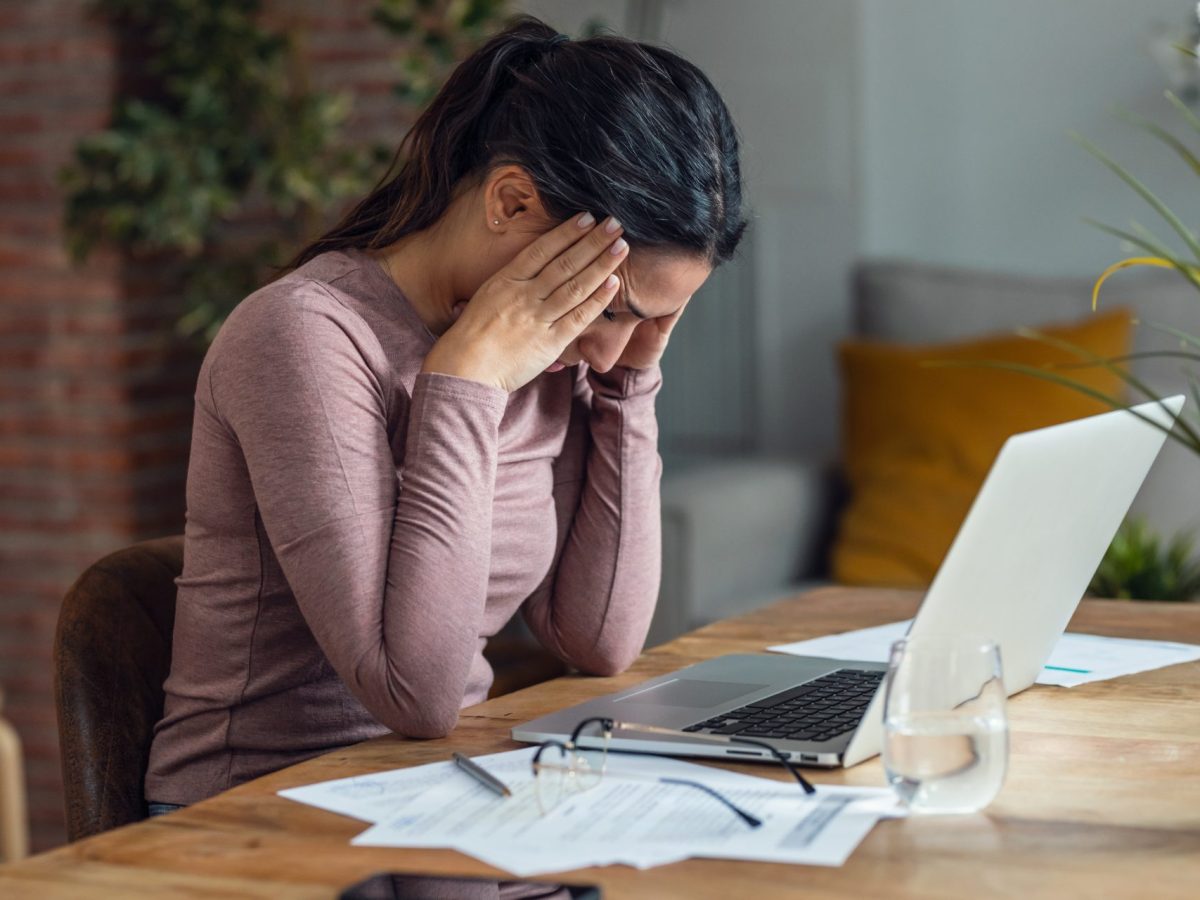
{"type": "Point", "coordinates": [610, 282]}
{"type": "Point", "coordinates": [612, 226]}
{"type": "Point", "coordinates": [587, 220]}
{"type": "Point", "coordinates": [619, 246]}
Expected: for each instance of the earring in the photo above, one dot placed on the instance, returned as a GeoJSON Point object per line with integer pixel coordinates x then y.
{"type": "Point", "coordinates": [495, 221]}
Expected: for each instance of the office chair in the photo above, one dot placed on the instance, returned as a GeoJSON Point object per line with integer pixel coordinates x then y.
{"type": "Point", "coordinates": [14, 820]}
{"type": "Point", "coordinates": [112, 653]}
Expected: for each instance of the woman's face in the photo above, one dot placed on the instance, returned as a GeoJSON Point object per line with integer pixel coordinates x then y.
{"type": "Point", "coordinates": [654, 285]}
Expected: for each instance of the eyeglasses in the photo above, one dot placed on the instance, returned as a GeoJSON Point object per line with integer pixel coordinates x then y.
{"type": "Point", "coordinates": [562, 768]}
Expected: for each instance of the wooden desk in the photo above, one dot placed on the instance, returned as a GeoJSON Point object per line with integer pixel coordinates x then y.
{"type": "Point", "coordinates": [1102, 798]}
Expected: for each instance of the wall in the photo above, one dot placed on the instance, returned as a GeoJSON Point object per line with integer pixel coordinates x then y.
{"type": "Point", "coordinates": [965, 110]}
{"type": "Point", "coordinates": [68, 360]}
{"type": "Point", "coordinates": [95, 390]}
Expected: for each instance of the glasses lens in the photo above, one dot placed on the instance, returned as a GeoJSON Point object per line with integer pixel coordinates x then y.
{"type": "Point", "coordinates": [591, 756]}
{"type": "Point", "coordinates": [551, 776]}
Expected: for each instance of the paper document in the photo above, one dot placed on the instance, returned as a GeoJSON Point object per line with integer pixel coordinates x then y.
{"type": "Point", "coordinates": [373, 797]}
{"type": "Point", "coordinates": [630, 817]}
{"type": "Point", "coordinates": [1076, 658]}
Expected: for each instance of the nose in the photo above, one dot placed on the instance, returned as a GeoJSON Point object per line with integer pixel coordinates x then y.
{"type": "Point", "coordinates": [601, 350]}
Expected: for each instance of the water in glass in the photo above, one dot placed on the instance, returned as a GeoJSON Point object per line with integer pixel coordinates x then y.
{"type": "Point", "coordinates": [945, 730]}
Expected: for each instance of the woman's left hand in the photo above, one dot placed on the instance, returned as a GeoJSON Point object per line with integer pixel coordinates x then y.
{"type": "Point", "coordinates": [648, 341]}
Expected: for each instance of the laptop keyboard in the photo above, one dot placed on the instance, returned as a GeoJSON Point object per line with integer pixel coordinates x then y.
{"type": "Point", "coordinates": [817, 710]}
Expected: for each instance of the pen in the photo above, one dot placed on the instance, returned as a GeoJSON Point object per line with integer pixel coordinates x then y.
{"type": "Point", "coordinates": [482, 775]}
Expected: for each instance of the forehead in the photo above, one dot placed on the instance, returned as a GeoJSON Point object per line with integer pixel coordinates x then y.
{"type": "Point", "coordinates": [658, 282]}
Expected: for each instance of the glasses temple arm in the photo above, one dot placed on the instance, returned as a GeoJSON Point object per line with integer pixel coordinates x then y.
{"type": "Point", "coordinates": [804, 782]}
{"type": "Point", "coordinates": [752, 821]}
{"type": "Point", "coordinates": [721, 739]}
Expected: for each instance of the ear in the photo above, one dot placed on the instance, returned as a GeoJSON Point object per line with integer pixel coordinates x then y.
{"type": "Point", "coordinates": [510, 199]}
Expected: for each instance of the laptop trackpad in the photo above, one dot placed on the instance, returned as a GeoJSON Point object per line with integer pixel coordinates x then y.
{"type": "Point", "coordinates": [691, 692]}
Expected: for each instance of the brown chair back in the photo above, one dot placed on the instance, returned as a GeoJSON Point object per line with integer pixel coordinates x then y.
{"type": "Point", "coordinates": [112, 653]}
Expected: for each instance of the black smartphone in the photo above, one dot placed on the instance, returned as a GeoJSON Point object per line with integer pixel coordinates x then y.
{"type": "Point", "coordinates": [406, 886]}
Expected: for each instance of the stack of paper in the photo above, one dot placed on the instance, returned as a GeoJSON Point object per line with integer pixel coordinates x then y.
{"type": "Point", "coordinates": [1076, 658]}
{"type": "Point", "coordinates": [630, 817]}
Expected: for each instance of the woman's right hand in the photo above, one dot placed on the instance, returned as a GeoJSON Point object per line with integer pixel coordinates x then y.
{"type": "Point", "coordinates": [522, 318]}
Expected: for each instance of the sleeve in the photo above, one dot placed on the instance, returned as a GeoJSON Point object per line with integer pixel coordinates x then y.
{"type": "Point", "coordinates": [390, 577]}
{"type": "Point", "coordinates": [595, 607]}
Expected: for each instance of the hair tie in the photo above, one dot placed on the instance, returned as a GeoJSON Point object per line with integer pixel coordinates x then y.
{"type": "Point", "coordinates": [557, 39]}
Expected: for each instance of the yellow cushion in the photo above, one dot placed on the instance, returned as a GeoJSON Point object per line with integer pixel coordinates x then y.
{"type": "Point", "coordinates": [918, 441]}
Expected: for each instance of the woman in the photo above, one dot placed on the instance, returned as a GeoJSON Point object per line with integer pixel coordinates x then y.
{"type": "Point", "coordinates": [445, 413]}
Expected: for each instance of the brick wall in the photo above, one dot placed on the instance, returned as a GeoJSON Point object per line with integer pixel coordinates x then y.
{"type": "Point", "coordinates": [95, 391]}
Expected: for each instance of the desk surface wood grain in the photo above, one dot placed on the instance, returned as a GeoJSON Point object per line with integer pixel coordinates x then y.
{"type": "Point", "coordinates": [1102, 797]}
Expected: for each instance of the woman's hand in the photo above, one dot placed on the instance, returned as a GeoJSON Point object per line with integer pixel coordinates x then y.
{"type": "Point", "coordinates": [523, 317]}
{"type": "Point", "coordinates": [648, 341]}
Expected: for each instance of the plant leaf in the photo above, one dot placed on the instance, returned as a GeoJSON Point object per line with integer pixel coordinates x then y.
{"type": "Point", "coordinates": [1125, 264]}
{"type": "Point", "coordinates": [1188, 116]}
{"type": "Point", "coordinates": [1141, 354]}
{"type": "Point", "coordinates": [1165, 136]}
{"type": "Point", "coordinates": [1145, 193]}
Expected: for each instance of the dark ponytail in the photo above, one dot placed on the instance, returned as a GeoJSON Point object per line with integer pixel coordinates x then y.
{"type": "Point", "coordinates": [605, 124]}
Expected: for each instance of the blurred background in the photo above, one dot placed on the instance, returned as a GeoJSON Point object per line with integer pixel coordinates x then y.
{"type": "Point", "coordinates": [910, 178]}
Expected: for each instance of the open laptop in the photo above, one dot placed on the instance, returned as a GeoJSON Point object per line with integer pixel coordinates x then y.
{"type": "Point", "coordinates": [1015, 573]}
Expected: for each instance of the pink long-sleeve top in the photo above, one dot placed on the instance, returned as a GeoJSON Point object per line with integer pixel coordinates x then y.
{"type": "Point", "coordinates": [357, 529]}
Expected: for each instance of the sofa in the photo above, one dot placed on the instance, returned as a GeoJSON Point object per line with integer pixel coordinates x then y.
{"type": "Point", "coordinates": [739, 532]}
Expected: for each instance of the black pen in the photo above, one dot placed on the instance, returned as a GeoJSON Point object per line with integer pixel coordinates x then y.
{"type": "Point", "coordinates": [480, 774]}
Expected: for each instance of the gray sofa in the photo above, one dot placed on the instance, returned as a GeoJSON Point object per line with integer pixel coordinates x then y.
{"type": "Point", "coordinates": [740, 532]}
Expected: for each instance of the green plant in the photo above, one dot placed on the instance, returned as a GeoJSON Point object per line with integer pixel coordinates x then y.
{"type": "Point", "coordinates": [1135, 564]}
{"type": "Point", "coordinates": [222, 122]}
{"type": "Point", "coordinates": [219, 121]}
{"type": "Point", "coordinates": [1140, 566]}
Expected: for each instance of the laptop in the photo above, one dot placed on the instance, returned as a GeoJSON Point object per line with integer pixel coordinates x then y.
{"type": "Point", "coordinates": [1015, 572]}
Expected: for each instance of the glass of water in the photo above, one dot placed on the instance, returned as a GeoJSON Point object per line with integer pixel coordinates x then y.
{"type": "Point", "coordinates": [945, 747]}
